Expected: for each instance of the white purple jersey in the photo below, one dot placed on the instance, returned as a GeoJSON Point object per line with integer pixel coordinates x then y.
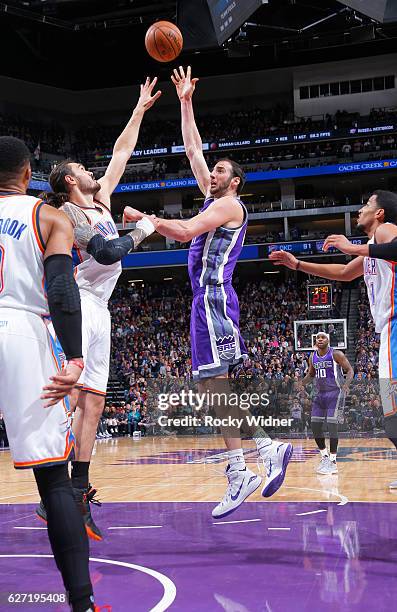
{"type": "Point", "coordinates": [329, 374]}
{"type": "Point", "coordinates": [213, 255]}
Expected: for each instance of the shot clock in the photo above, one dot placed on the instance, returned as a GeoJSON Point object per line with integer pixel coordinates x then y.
{"type": "Point", "coordinates": [319, 297]}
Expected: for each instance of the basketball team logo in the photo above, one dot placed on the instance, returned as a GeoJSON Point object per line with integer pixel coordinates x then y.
{"type": "Point", "coordinates": [226, 347]}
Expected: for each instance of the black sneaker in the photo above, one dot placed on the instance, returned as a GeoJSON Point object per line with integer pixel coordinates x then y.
{"type": "Point", "coordinates": [85, 497]}
{"type": "Point", "coordinates": [41, 512]}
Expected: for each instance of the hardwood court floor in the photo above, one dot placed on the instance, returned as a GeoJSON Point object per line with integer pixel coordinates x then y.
{"type": "Point", "coordinates": [191, 469]}
{"type": "Point", "coordinates": [320, 543]}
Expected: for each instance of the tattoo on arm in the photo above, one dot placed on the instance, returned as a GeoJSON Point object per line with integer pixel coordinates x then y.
{"type": "Point", "coordinates": [74, 213]}
{"type": "Point", "coordinates": [82, 235]}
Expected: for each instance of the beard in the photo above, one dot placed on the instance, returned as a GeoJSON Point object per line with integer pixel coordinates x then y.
{"type": "Point", "coordinates": [90, 187]}
{"type": "Point", "coordinates": [360, 228]}
{"type": "Point", "coordinates": [220, 189]}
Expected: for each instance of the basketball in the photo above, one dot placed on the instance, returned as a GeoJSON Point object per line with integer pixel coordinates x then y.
{"type": "Point", "coordinates": [164, 41]}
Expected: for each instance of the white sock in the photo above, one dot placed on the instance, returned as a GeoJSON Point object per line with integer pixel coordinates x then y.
{"type": "Point", "coordinates": [324, 452]}
{"type": "Point", "coordinates": [332, 456]}
{"type": "Point", "coordinates": [236, 459]}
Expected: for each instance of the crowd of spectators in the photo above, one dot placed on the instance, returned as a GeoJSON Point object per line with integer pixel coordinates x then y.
{"type": "Point", "coordinates": [367, 343]}
{"type": "Point", "coordinates": [94, 142]}
{"type": "Point", "coordinates": [267, 159]}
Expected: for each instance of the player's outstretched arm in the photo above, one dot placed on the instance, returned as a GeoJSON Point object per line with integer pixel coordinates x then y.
{"type": "Point", "coordinates": [185, 87]}
{"type": "Point", "coordinates": [125, 144]}
{"type": "Point", "coordinates": [385, 247]}
{"type": "Point", "coordinates": [63, 300]}
{"type": "Point", "coordinates": [225, 210]}
{"type": "Point", "coordinates": [108, 252]}
{"type": "Point", "coordinates": [339, 272]}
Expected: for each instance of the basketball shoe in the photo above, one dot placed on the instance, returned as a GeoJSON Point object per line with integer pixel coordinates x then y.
{"type": "Point", "coordinates": [322, 464]}
{"type": "Point", "coordinates": [393, 485]}
{"type": "Point", "coordinates": [276, 458]}
{"type": "Point", "coordinates": [328, 467]}
{"type": "Point", "coordinates": [83, 498]}
{"type": "Point", "coordinates": [241, 483]}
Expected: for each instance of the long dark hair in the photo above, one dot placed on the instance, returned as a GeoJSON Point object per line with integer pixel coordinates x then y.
{"type": "Point", "coordinates": [59, 194]}
{"type": "Point", "coordinates": [56, 200]}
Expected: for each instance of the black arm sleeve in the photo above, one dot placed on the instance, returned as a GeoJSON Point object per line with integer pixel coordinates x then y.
{"type": "Point", "coordinates": [107, 252]}
{"type": "Point", "coordinates": [64, 303]}
{"type": "Point", "coordinates": [387, 250]}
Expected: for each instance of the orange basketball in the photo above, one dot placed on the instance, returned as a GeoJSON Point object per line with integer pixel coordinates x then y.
{"type": "Point", "coordinates": [164, 41]}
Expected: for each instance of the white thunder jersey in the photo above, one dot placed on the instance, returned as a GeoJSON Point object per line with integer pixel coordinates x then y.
{"type": "Point", "coordinates": [96, 283]}
{"type": "Point", "coordinates": [28, 355]}
{"type": "Point", "coordinates": [21, 255]}
{"type": "Point", "coordinates": [91, 276]}
{"type": "Point", "coordinates": [379, 276]}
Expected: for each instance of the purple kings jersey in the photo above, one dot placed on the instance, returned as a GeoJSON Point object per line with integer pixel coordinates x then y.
{"type": "Point", "coordinates": [329, 375]}
{"type": "Point", "coordinates": [213, 256]}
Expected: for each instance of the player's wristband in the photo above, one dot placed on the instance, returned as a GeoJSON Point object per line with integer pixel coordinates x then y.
{"type": "Point", "coordinates": [78, 362]}
{"type": "Point", "coordinates": [298, 265]}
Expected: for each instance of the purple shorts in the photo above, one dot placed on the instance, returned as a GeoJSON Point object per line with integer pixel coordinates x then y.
{"type": "Point", "coordinates": [214, 331]}
{"type": "Point", "coordinates": [326, 405]}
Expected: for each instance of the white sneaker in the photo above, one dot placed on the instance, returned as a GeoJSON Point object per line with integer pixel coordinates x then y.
{"type": "Point", "coordinates": [393, 485]}
{"type": "Point", "coordinates": [322, 464]}
{"type": "Point", "coordinates": [329, 467]}
{"type": "Point", "coordinates": [241, 484]}
{"type": "Point", "coordinates": [276, 461]}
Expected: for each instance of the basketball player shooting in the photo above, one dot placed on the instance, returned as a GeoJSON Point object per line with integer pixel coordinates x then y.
{"type": "Point", "coordinates": [377, 219]}
{"type": "Point", "coordinates": [326, 367]}
{"type": "Point", "coordinates": [35, 245]}
{"type": "Point", "coordinates": [86, 201]}
{"type": "Point", "coordinates": [217, 237]}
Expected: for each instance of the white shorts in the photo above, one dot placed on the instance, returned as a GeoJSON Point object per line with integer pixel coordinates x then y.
{"type": "Point", "coordinates": [388, 368]}
{"type": "Point", "coordinates": [38, 436]}
{"type": "Point", "coordinates": [96, 330]}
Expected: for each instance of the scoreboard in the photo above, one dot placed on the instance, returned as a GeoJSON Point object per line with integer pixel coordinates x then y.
{"type": "Point", "coordinates": [319, 297]}
{"type": "Point", "coordinates": [228, 15]}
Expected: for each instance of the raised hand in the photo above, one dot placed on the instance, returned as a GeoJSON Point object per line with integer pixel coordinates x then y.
{"type": "Point", "coordinates": [340, 242]}
{"type": "Point", "coordinates": [147, 99]}
{"type": "Point", "coordinates": [184, 83]}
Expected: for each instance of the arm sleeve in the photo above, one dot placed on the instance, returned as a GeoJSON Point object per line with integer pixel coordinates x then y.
{"type": "Point", "coordinates": [64, 303]}
{"type": "Point", "coordinates": [107, 252]}
{"type": "Point", "coordinates": [387, 250]}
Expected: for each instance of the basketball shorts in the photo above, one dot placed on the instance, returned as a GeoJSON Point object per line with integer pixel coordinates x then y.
{"type": "Point", "coordinates": [327, 405]}
{"type": "Point", "coordinates": [214, 330]}
{"type": "Point", "coordinates": [95, 332]}
{"type": "Point", "coordinates": [38, 436]}
{"type": "Point", "coordinates": [388, 376]}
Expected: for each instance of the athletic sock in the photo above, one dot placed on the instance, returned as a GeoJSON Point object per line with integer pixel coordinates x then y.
{"type": "Point", "coordinates": [332, 456]}
{"type": "Point", "coordinates": [324, 452]}
{"type": "Point", "coordinates": [80, 474]}
{"type": "Point", "coordinates": [236, 459]}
